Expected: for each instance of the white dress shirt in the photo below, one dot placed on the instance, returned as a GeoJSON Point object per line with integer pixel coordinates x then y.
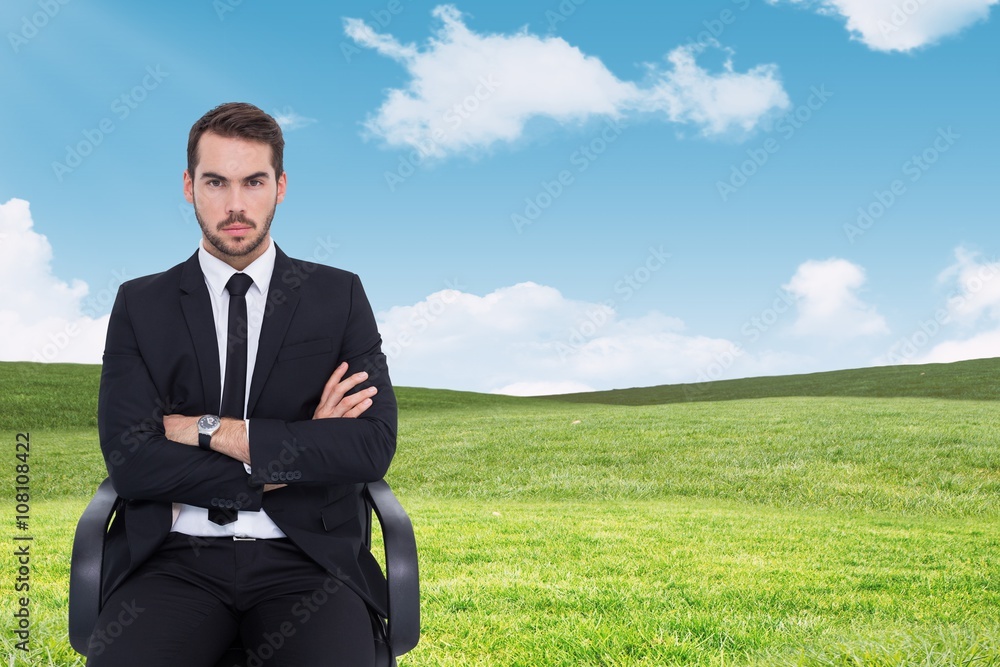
{"type": "Point", "coordinates": [189, 519]}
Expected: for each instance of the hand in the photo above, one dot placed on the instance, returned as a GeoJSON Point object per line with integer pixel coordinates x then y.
{"type": "Point", "coordinates": [181, 429]}
{"type": "Point", "coordinates": [335, 403]}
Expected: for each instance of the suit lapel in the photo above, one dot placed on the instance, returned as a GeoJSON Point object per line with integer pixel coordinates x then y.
{"type": "Point", "coordinates": [197, 307]}
{"type": "Point", "coordinates": [282, 299]}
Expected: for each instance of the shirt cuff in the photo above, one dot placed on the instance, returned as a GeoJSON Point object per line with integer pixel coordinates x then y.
{"type": "Point", "coordinates": [246, 466]}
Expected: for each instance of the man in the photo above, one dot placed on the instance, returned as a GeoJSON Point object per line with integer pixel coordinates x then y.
{"type": "Point", "coordinates": [244, 399]}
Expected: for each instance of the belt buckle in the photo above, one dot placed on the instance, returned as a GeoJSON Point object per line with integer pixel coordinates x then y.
{"type": "Point", "coordinates": [243, 538]}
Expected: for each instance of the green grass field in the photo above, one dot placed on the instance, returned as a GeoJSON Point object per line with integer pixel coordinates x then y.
{"type": "Point", "coordinates": [835, 519]}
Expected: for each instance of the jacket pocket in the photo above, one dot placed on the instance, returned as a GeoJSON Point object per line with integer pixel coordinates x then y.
{"type": "Point", "coordinates": [306, 349]}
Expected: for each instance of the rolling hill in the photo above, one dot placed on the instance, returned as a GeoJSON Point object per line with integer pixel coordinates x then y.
{"type": "Point", "coordinates": [65, 395]}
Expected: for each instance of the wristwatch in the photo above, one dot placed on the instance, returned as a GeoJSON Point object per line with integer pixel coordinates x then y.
{"type": "Point", "coordinates": [207, 426]}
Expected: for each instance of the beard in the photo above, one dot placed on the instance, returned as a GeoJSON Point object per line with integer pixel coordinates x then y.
{"type": "Point", "coordinates": [236, 247]}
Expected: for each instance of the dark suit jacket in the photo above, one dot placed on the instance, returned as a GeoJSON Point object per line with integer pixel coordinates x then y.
{"type": "Point", "coordinates": [162, 358]}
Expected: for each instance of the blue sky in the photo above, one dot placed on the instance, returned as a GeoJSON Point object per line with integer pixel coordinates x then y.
{"type": "Point", "coordinates": [539, 197]}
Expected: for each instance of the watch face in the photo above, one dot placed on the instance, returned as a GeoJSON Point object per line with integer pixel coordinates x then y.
{"type": "Point", "coordinates": [208, 423]}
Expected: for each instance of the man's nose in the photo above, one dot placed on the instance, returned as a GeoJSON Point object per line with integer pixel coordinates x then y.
{"type": "Point", "coordinates": [235, 202]}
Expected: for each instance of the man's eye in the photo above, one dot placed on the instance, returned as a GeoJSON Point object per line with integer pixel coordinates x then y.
{"type": "Point", "coordinates": [214, 183]}
{"type": "Point", "coordinates": [255, 183]}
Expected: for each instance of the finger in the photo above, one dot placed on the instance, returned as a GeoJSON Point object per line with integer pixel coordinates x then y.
{"type": "Point", "coordinates": [363, 404]}
{"type": "Point", "coordinates": [345, 404]}
{"type": "Point", "coordinates": [353, 381]}
{"type": "Point", "coordinates": [346, 386]}
{"type": "Point", "coordinates": [341, 388]}
{"type": "Point", "coordinates": [348, 403]}
{"type": "Point", "coordinates": [350, 383]}
{"type": "Point", "coordinates": [358, 409]}
{"type": "Point", "coordinates": [335, 389]}
{"type": "Point", "coordinates": [332, 383]}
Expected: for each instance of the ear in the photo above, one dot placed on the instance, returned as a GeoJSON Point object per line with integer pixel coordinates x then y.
{"type": "Point", "coordinates": [188, 187]}
{"type": "Point", "coordinates": [282, 184]}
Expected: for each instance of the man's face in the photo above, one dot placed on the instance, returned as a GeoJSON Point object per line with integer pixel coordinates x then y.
{"type": "Point", "coordinates": [235, 194]}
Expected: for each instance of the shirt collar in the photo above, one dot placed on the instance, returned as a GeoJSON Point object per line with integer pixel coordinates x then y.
{"type": "Point", "coordinates": [217, 273]}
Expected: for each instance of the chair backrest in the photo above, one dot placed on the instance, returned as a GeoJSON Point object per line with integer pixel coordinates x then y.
{"type": "Point", "coordinates": [403, 625]}
{"type": "Point", "coordinates": [86, 565]}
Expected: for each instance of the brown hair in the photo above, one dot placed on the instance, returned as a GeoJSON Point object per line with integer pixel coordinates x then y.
{"type": "Point", "coordinates": [242, 121]}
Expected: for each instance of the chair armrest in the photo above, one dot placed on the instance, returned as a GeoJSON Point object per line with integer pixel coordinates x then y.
{"type": "Point", "coordinates": [401, 567]}
{"type": "Point", "coordinates": [85, 567]}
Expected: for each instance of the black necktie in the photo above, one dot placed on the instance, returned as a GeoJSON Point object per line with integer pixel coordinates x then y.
{"type": "Point", "coordinates": [235, 387]}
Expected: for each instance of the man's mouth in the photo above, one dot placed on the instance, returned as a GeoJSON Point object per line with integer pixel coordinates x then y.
{"type": "Point", "coordinates": [237, 229]}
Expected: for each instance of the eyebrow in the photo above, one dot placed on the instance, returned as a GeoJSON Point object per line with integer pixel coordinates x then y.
{"type": "Point", "coordinates": [211, 175]}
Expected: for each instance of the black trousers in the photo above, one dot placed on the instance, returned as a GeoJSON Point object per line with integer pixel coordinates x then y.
{"type": "Point", "coordinates": [190, 601]}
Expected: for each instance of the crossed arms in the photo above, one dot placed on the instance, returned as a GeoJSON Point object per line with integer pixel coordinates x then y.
{"type": "Point", "coordinates": [232, 439]}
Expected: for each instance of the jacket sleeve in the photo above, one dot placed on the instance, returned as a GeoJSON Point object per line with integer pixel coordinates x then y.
{"type": "Point", "coordinates": [142, 463]}
{"type": "Point", "coordinates": [335, 451]}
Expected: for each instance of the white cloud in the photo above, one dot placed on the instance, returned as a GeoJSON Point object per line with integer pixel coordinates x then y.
{"type": "Point", "coordinates": [529, 338]}
{"type": "Point", "coordinates": [902, 25]}
{"type": "Point", "coordinates": [717, 103]}
{"type": "Point", "coordinates": [973, 305]}
{"type": "Point", "coordinates": [290, 120]}
{"type": "Point", "coordinates": [975, 292]}
{"type": "Point", "coordinates": [469, 91]}
{"type": "Point", "coordinates": [543, 388]}
{"type": "Point", "coordinates": [984, 345]}
{"type": "Point", "coordinates": [43, 318]}
{"type": "Point", "coordinates": [828, 304]}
